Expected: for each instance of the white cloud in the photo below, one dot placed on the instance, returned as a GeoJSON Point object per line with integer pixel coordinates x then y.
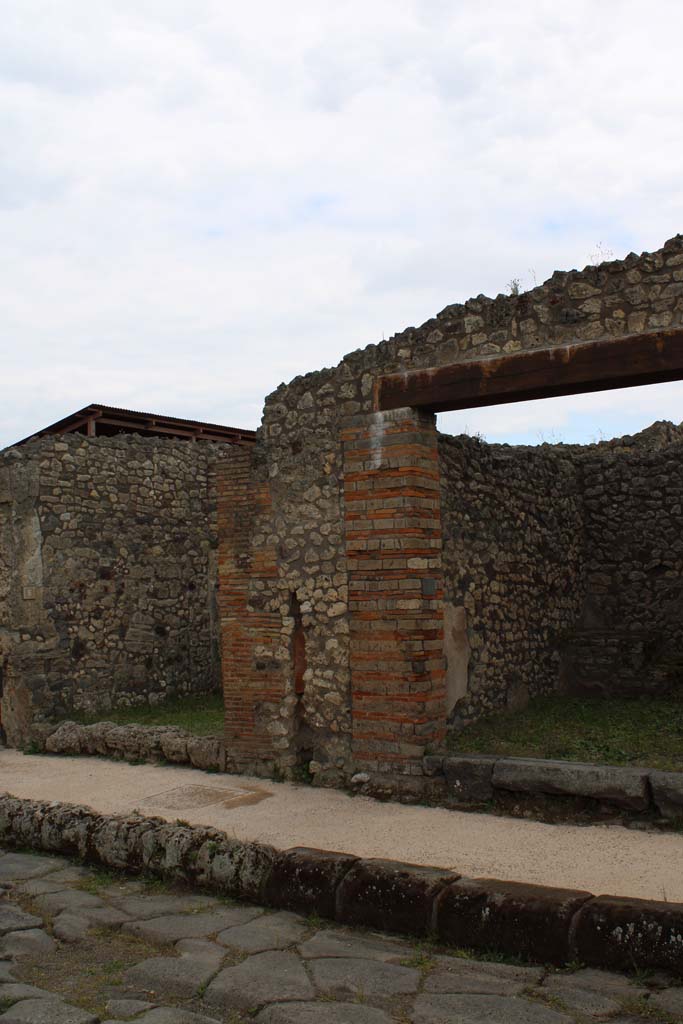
{"type": "Point", "coordinates": [198, 201]}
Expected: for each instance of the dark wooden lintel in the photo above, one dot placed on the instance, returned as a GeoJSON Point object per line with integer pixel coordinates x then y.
{"type": "Point", "coordinates": [543, 373]}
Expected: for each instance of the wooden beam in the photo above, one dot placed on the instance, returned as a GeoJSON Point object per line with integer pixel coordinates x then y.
{"type": "Point", "coordinates": [544, 373]}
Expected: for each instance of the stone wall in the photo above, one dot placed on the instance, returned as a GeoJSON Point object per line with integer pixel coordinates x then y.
{"type": "Point", "coordinates": [630, 632]}
{"type": "Point", "coordinates": [513, 562]}
{"type": "Point", "coordinates": [107, 574]}
{"type": "Point", "coordinates": [301, 453]}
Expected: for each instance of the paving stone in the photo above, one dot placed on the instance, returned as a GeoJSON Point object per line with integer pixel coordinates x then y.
{"type": "Point", "coordinates": [322, 1013]}
{"type": "Point", "coordinates": [40, 886]}
{"type": "Point", "coordinates": [332, 943]}
{"type": "Point", "coordinates": [13, 919]}
{"type": "Point", "coordinates": [73, 900]}
{"type": "Point", "coordinates": [173, 1015]}
{"type": "Point", "coordinates": [479, 1009]}
{"type": "Point", "coordinates": [201, 949]}
{"type": "Point", "coordinates": [587, 999]}
{"type": "Point", "coordinates": [346, 978]}
{"type": "Point", "coordinates": [33, 940]}
{"type": "Point", "coordinates": [142, 908]}
{"type": "Point", "coordinates": [169, 976]}
{"type": "Point", "coordinates": [670, 1001]}
{"type": "Point", "coordinates": [16, 991]}
{"type": "Point", "coordinates": [18, 866]}
{"type": "Point", "coordinates": [103, 917]}
{"type": "Point", "coordinates": [264, 978]}
{"type": "Point", "coordinates": [452, 974]}
{"type": "Point", "coordinates": [127, 1007]}
{"type": "Point", "coordinates": [121, 889]}
{"type": "Point", "coordinates": [273, 931]}
{"type": "Point", "coordinates": [600, 981]}
{"type": "Point", "coordinates": [191, 926]}
{"type": "Point", "coordinates": [69, 927]}
{"type": "Point", "coordinates": [46, 1011]}
{"type": "Point", "coordinates": [71, 873]}
{"type": "Point", "coordinates": [5, 971]}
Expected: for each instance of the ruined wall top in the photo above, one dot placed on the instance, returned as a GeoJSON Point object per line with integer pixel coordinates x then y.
{"type": "Point", "coordinates": [613, 299]}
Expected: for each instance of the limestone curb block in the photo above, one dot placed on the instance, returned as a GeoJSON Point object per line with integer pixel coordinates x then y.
{"type": "Point", "coordinates": [667, 793]}
{"type": "Point", "coordinates": [470, 778]}
{"type": "Point", "coordinates": [133, 743]}
{"type": "Point", "coordinates": [487, 914]}
{"type": "Point", "coordinates": [511, 918]}
{"type": "Point", "coordinates": [391, 896]}
{"type": "Point", "coordinates": [624, 934]}
{"type": "Point", "coordinates": [625, 787]}
{"type": "Point", "coordinates": [306, 880]}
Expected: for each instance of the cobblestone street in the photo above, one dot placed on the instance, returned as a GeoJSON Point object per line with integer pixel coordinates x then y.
{"type": "Point", "coordinates": [78, 946]}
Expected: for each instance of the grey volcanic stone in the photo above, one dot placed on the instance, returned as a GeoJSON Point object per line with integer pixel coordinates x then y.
{"type": "Point", "coordinates": [456, 975]}
{"type": "Point", "coordinates": [332, 943]}
{"type": "Point", "coordinates": [322, 1013]}
{"type": "Point", "coordinates": [70, 927]}
{"type": "Point", "coordinates": [12, 919]}
{"type": "Point", "coordinates": [201, 949]}
{"type": "Point", "coordinates": [46, 1011]}
{"type": "Point", "coordinates": [625, 787]}
{"type": "Point", "coordinates": [174, 1015]}
{"type": "Point", "coordinates": [39, 886]}
{"type": "Point", "coordinates": [191, 926]}
{"type": "Point", "coordinates": [5, 971]}
{"type": "Point", "coordinates": [15, 992]}
{"type": "Point", "coordinates": [468, 778]}
{"type": "Point", "coordinates": [481, 1009]}
{"type": "Point", "coordinates": [667, 793]}
{"type": "Point", "coordinates": [16, 866]}
{"type": "Point", "coordinates": [347, 978]}
{"type": "Point", "coordinates": [127, 1007]}
{"type": "Point", "coordinates": [169, 976]}
{"type": "Point", "coordinates": [264, 978]}
{"type": "Point", "coordinates": [33, 940]}
{"type": "Point", "coordinates": [73, 900]}
{"type": "Point", "coordinates": [581, 1000]}
{"type": "Point", "coordinates": [141, 908]}
{"type": "Point", "coordinates": [273, 931]}
{"type": "Point", "coordinates": [670, 1001]}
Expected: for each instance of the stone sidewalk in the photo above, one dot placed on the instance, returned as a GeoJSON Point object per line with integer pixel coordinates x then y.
{"type": "Point", "coordinates": [78, 946]}
{"type": "Point", "coordinates": [601, 859]}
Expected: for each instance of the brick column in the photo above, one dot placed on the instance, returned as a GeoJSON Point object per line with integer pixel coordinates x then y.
{"type": "Point", "coordinates": [251, 644]}
{"type": "Point", "coordinates": [393, 544]}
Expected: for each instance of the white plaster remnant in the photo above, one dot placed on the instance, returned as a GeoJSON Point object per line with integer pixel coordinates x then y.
{"type": "Point", "coordinates": [457, 652]}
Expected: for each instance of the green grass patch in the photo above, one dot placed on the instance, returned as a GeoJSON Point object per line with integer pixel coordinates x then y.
{"type": "Point", "coordinates": [201, 715]}
{"type": "Point", "coordinates": [642, 731]}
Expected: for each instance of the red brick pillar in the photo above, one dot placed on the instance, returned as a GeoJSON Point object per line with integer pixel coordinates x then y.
{"type": "Point", "coordinates": [254, 678]}
{"type": "Point", "coordinates": [393, 544]}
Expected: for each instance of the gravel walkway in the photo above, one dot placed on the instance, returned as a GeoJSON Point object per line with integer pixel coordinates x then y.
{"type": "Point", "coordinates": [602, 859]}
{"type": "Point", "coordinates": [78, 946]}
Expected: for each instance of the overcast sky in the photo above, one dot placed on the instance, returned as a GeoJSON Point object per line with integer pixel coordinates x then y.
{"type": "Point", "coordinates": [202, 199]}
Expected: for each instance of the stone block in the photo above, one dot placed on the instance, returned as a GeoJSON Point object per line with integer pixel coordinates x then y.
{"type": "Point", "coordinates": [306, 880]}
{"type": "Point", "coordinates": [623, 787]}
{"type": "Point", "coordinates": [206, 752]}
{"type": "Point", "coordinates": [390, 896]}
{"type": "Point", "coordinates": [432, 764]}
{"type": "Point", "coordinates": [512, 918]}
{"type": "Point", "coordinates": [69, 738]}
{"type": "Point", "coordinates": [627, 934]}
{"type": "Point", "coordinates": [468, 778]}
{"type": "Point", "coordinates": [667, 793]}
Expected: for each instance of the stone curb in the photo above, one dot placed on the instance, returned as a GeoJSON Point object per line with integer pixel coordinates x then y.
{"type": "Point", "coordinates": [545, 924]}
{"type": "Point", "coordinates": [136, 743]}
{"type": "Point", "coordinates": [476, 778]}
